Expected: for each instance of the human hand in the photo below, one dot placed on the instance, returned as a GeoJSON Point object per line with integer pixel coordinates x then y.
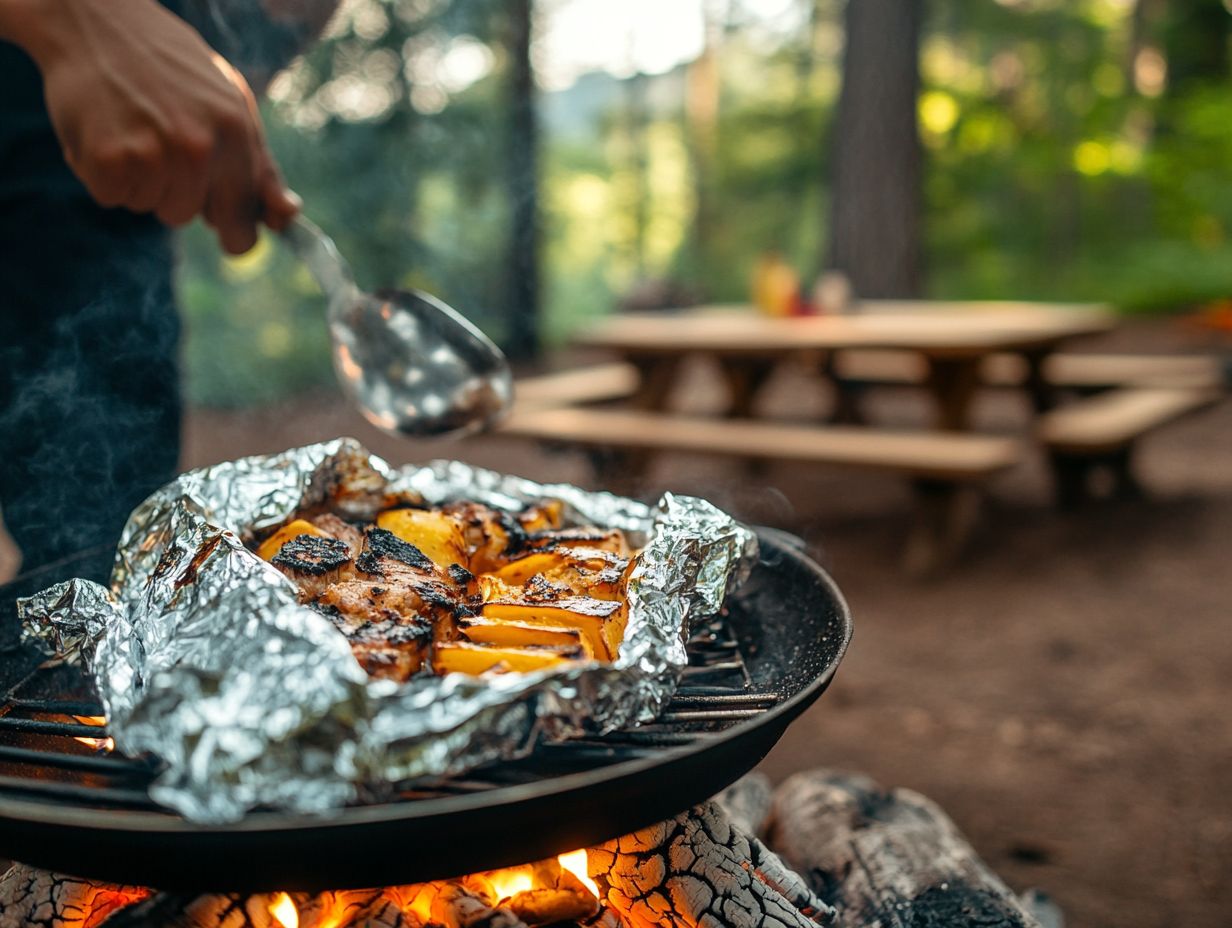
{"type": "Point", "coordinates": [153, 120]}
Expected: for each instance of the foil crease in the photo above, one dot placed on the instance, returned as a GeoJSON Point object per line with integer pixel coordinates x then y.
{"type": "Point", "coordinates": [203, 657]}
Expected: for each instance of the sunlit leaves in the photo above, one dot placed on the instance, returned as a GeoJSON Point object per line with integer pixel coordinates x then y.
{"type": "Point", "coordinates": [938, 113]}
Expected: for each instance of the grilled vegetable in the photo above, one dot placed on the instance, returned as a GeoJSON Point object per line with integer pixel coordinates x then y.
{"type": "Point", "coordinates": [475, 659]}
{"type": "Point", "coordinates": [437, 535]}
{"type": "Point", "coordinates": [272, 545]}
{"type": "Point", "coordinates": [516, 573]}
{"type": "Point", "coordinates": [464, 588]}
{"type": "Point", "coordinates": [547, 515]}
{"type": "Point", "coordinates": [505, 633]}
{"type": "Point", "coordinates": [601, 622]}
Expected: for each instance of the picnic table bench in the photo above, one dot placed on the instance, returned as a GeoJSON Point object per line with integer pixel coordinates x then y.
{"type": "Point", "coordinates": [952, 352]}
{"type": "Point", "coordinates": [1102, 432]}
{"type": "Point", "coordinates": [945, 469]}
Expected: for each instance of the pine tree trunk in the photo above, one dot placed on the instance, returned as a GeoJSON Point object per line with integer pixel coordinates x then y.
{"type": "Point", "coordinates": [1195, 34]}
{"type": "Point", "coordinates": [875, 222]}
{"type": "Point", "coordinates": [522, 177]}
{"type": "Point", "coordinates": [702, 101]}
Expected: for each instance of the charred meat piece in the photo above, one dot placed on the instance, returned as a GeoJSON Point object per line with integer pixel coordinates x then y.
{"type": "Point", "coordinates": [312, 554]}
{"type": "Point", "coordinates": [388, 646]}
{"type": "Point", "coordinates": [396, 583]}
{"type": "Point", "coordinates": [335, 527]}
{"type": "Point", "coordinates": [360, 601]}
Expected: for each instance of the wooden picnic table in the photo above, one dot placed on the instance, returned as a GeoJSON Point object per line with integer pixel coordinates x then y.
{"type": "Point", "coordinates": [953, 337]}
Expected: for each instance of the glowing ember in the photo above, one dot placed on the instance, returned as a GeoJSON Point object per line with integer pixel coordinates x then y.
{"type": "Point", "coordinates": [98, 721]}
{"type": "Point", "coordinates": [508, 883]}
{"type": "Point", "coordinates": [576, 863]}
{"type": "Point", "coordinates": [284, 911]}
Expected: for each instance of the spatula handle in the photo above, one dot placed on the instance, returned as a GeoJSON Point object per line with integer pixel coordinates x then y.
{"type": "Point", "coordinates": [320, 255]}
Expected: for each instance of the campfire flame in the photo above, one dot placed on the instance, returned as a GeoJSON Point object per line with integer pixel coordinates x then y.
{"type": "Point", "coordinates": [284, 911]}
{"type": "Point", "coordinates": [100, 744]}
{"type": "Point", "coordinates": [520, 889]}
{"type": "Point", "coordinates": [576, 862]}
{"type": "Point", "coordinates": [508, 883]}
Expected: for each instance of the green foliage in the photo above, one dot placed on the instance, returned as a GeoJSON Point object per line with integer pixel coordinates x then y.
{"type": "Point", "coordinates": [1052, 176]}
{"type": "Point", "coordinates": [1060, 164]}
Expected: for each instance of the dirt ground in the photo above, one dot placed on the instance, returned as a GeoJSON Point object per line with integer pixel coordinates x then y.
{"type": "Point", "coordinates": [1063, 693]}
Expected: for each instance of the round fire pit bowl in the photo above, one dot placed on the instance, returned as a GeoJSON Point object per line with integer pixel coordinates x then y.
{"type": "Point", "coordinates": [752, 673]}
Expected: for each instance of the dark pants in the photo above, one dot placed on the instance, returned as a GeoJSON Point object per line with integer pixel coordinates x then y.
{"type": "Point", "coordinates": [89, 394]}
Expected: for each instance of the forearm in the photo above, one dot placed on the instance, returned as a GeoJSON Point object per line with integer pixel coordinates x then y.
{"type": "Point", "coordinates": [149, 116]}
{"type": "Point", "coordinates": [45, 28]}
{"type": "Point", "coordinates": [30, 25]}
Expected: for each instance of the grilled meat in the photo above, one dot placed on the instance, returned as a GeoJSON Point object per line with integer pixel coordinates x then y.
{"type": "Point", "coordinates": [394, 606]}
{"type": "Point", "coordinates": [335, 527]}
{"type": "Point", "coordinates": [312, 555]}
{"type": "Point", "coordinates": [388, 644]}
{"type": "Point", "coordinates": [462, 588]}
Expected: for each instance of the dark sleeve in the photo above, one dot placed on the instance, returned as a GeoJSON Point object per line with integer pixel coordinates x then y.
{"type": "Point", "coordinates": [258, 44]}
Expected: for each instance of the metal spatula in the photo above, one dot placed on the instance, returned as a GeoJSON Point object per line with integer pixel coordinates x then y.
{"type": "Point", "coordinates": [412, 365]}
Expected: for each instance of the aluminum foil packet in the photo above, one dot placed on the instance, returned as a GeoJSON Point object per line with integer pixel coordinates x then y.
{"type": "Point", "coordinates": [203, 657]}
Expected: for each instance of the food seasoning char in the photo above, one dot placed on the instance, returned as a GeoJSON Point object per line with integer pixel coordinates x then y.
{"type": "Point", "coordinates": [203, 657]}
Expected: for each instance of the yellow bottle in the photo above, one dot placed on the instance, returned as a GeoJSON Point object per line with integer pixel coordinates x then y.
{"type": "Point", "coordinates": [775, 285]}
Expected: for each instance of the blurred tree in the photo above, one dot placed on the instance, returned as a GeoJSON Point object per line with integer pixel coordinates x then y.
{"type": "Point", "coordinates": [1075, 150]}
{"type": "Point", "coordinates": [875, 222]}
{"type": "Point", "coordinates": [522, 177]}
{"type": "Point", "coordinates": [1195, 40]}
{"type": "Point", "coordinates": [703, 100]}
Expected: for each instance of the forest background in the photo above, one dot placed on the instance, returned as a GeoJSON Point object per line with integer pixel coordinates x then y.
{"type": "Point", "coordinates": [991, 149]}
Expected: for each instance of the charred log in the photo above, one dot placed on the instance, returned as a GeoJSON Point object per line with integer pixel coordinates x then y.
{"type": "Point", "coordinates": [31, 898]}
{"type": "Point", "coordinates": [887, 858]}
{"type": "Point", "coordinates": [459, 906]}
{"type": "Point", "coordinates": [697, 871]}
{"type": "Point", "coordinates": [747, 802]}
{"type": "Point", "coordinates": [868, 858]}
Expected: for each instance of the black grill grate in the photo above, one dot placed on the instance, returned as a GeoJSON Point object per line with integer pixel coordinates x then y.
{"type": "Point", "coordinates": [39, 720]}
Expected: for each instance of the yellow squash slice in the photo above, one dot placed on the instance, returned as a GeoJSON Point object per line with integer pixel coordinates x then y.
{"type": "Point", "coordinates": [435, 534]}
{"type": "Point", "coordinates": [601, 621]}
{"type": "Point", "coordinates": [516, 573]}
{"type": "Point", "coordinates": [546, 515]}
{"type": "Point", "coordinates": [506, 634]}
{"type": "Point", "coordinates": [272, 545]}
{"type": "Point", "coordinates": [474, 659]}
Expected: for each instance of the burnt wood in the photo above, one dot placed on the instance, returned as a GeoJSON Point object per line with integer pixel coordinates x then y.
{"type": "Point", "coordinates": [697, 870]}
{"type": "Point", "coordinates": [882, 859]}
{"type": "Point", "coordinates": [747, 802]}
{"type": "Point", "coordinates": [886, 859]}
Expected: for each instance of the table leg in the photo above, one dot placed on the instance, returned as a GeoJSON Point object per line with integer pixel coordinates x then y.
{"type": "Point", "coordinates": [656, 377]}
{"type": "Point", "coordinates": [848, 408]}
{"type": "Point", "coordinates": [622, 470]}
{"type": "Point", "coordinates": [953, 382]}
{"type": "Point", "coordinates": [745, 377]}
{"type": "Point", "coordinates": [1043, 394]}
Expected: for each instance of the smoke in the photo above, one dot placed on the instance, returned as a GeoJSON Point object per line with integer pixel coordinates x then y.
{"type": "Point", "coordinates": [89, 406]}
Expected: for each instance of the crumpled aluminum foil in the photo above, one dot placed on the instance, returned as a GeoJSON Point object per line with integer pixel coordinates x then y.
{"type": "Point", "coordinates": [202, 656]}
